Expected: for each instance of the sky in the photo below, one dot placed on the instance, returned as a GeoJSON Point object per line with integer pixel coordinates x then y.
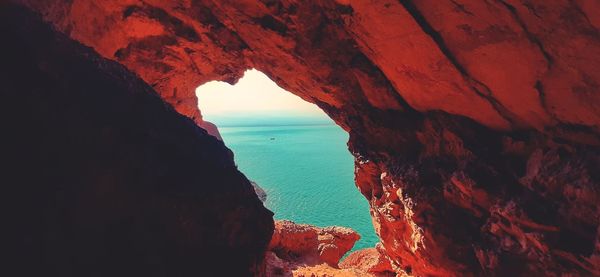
{"type": "Point", "coordinates": [254, 93]}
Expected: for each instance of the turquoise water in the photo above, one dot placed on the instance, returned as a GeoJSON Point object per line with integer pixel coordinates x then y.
{"type": "Point", "coordinates": [307, 172]}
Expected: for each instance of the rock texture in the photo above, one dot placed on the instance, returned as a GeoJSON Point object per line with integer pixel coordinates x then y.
{"type": "Point", "coordinates": [260, 192]}
{"type": "Point", "coordinates": [211, 129]}
{"type": "Point", "coordinates": [100, 177]}
{"type": "Point", "coordinates": [474, 123]}
{"type": "Point", "coordinates": [311, 244]}
{"type": "Point", "coordinates": [369, 260]}
{"type": "Point", "coordinates": [277, 267]}
{"type": "Point", "coordinates": [305, 250]}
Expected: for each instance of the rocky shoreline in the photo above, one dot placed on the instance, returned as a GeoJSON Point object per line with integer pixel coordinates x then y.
{"type": "Point", "coordinates": [307, 250]}
{"type": "Point", "coordinates": [260, 192]}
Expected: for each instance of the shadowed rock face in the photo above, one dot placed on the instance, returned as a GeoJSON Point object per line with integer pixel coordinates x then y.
{"type": "Point", "coordinates": [100, 177]}
{"type": "Point", "coordinates": [474, 123]}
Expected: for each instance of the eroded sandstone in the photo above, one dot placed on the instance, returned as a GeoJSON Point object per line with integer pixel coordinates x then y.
{"type": "Point", "coordinates": [306, 250]}
{"type": "Point", "coordinates": [311, 244]}
{"type": "Point", "coordinates": [369, 260]}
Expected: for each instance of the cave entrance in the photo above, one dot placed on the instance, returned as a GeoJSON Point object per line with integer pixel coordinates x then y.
{"type": "Point", "coordinates": [291, 149]}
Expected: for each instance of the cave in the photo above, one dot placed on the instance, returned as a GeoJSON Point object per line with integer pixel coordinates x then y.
{"type": "Point", "coordinates": [473, 125]}
{"type": "Point", "coordinates": [294, 154]}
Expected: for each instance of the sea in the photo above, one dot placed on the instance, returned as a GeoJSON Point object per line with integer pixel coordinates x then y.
{"type": "Point", "coordinates": [304, 166]}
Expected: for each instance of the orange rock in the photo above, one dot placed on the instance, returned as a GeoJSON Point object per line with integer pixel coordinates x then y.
{"type": "Point", "coordinates": [311, 244]}
{"type": "Point", "coordinates": [369, 260]}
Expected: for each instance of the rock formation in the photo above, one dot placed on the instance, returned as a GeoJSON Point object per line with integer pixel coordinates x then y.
{"type": "Point", "coordinates": [475, 124]}
{"type": "Point", "coordinates": [260, 192]}
{"type": "Point", "coordinates": [297, 249]}
{"type": "Point", "coordinates": [100, 177]}
{"type": "Point", "coordinates": [211, 129]}
{"type": "Point", "coordinates": [311, 244]}
{"type": "Point", "coordinates": [369, 260]}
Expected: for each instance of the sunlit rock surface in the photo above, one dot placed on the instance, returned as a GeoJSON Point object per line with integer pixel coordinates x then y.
{"type": "Point", "coordinates": [305, 250]}
{"type": "Point", "coordinates": [311, 244]}
{"type": "Point", "coordinates": [100, 177]}
{"type": "Point", "coordinates": [369, 260]}
{"type": "Point", "coordinates": [474, 123]}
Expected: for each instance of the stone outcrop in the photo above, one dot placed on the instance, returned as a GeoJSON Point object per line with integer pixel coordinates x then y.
{"type": "Point", "coordinates": [305, 250]}
{"type": "Point", "coordinates": [260, 192]}
{"type": "Point", "coordinates": [474, 123]}
{"type": "Point", "coordinates": [100, 177]}
{"type": "Point", "coordinates": [211, 129]}
{"type": "Point", "coordinates": [310, 244]}
{"type": "Point", "coordinates": [277, 267]}
{"type": "Point", "coordinates": [369, 260]}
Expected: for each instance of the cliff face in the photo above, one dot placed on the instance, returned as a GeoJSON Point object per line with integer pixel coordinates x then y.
{"type": "Point", "coordinates": [100, 177]}
{"type": "Point", "coordinates": [474, 123]}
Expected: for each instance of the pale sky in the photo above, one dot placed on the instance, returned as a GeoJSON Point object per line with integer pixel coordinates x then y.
{"type": "Point", "coordinates": [254, 93]}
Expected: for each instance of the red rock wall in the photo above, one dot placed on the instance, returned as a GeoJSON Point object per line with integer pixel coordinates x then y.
{"type": "Point", "coordinates": [100, 177]}
{"type": "Point", "coordinates": [474, 123]}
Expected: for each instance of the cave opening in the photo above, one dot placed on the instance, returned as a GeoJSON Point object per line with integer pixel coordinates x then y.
{"type": "Point", "coordinates": [292, 150]}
